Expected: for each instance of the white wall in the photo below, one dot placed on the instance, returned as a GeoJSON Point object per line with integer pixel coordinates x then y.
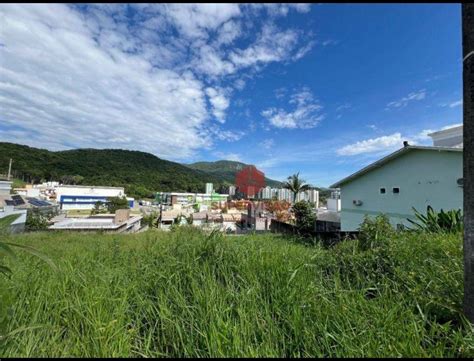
{"type": "Point", "coordinates": [334, 205]}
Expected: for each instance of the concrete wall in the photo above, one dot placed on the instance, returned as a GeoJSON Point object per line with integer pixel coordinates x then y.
{"type": "Point", "coordinates": [424, 177]}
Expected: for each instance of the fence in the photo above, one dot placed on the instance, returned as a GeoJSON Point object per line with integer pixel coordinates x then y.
{"type": "Point", "coordinates": [328, 232]}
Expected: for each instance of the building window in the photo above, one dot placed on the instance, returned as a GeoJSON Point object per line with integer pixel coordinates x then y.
{"type": "Point", "coordinates": [396, 190]}
{"type": "Point", "coordinates": [382, 190]}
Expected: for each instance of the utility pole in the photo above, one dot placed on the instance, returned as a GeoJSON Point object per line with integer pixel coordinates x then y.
{"type": "Point", "coordinates": [468, 156]}
{"type": "Point", "coordinates": [9, 169]}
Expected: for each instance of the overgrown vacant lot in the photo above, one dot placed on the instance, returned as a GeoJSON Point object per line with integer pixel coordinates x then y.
{"type": "Point", "coordinates": [187, 294]}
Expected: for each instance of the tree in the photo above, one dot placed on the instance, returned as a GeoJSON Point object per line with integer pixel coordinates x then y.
{"type": "Point", "coordinates": [468, 90]}
{"type": "Point", "coordinates": [296, 185]}
{"type": "Point", "coordinates": [114, 203]}
{"type": "Point", "coordinates": [77, 179]}
{"type": "Point", "coordinates": [278, 208]}
{"type": "Point", "coordinates": [99, 207]}
{"type": "Point", "coordinates": [305, 217]}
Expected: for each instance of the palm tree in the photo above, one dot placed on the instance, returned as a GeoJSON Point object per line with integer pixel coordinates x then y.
{"type": "Point", "coordinates": [296, 185]}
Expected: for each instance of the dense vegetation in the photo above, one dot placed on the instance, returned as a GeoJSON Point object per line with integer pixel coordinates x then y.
{"type": "Point", "coordinates": [185, 293]}
{"type": "Point", "coordinates": [140, 173]}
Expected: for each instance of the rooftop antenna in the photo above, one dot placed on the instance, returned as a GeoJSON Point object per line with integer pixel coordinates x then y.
{"type": "Point", "coordinates": [9, 169]}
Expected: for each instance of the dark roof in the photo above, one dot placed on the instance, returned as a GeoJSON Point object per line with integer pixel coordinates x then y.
{"type": "Point", "coordinates": [17, 200]}
{"type": "Point", "coordinates": [390, 157]}
{"type": "Point", "coordinates": [38, 202]}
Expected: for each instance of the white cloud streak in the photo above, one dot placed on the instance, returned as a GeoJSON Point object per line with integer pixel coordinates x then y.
{"type": "Point", "coordinates": [403, 102]}
{"type": "Point", "coordinates": [306, 113]}
{"type": "Point", "coordinates": [384, 143]}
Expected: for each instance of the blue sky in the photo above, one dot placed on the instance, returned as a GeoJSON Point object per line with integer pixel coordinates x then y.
{"type": "Point", "coordinates": [319, 89]}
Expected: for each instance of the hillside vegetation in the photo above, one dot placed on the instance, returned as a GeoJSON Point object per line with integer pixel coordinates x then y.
{"type": "Point", "coordinates": [184, 294]}
{"type": "Point", "coordinates": [140, 173]}
{"type": "Point", "coordinates": [226, 171]}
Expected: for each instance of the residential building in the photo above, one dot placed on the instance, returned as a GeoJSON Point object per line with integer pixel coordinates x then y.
{"type": "Point", "coordinates": [333, 203]}
{"type": "Point", "coordinates": [450, 137]}
{"type": "Point", "coordinates": [209, 188]}
{"type": "Point", "coordinates": [265, 193]}
{"type": "Point", "coordinates": [186, 199]}
{"type": "Point", "coordinates": [84, 197]}
{"type": "Point", "coordinates": [413, 176]}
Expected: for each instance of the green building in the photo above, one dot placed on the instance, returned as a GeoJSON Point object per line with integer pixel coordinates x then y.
{"type": "Point", "coordinates": [414, 176]}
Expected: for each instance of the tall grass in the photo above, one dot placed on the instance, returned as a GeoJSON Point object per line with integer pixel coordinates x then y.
{"type": "Point", "coordinates": [184, 293]}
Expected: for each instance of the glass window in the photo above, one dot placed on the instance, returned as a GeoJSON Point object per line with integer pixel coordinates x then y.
{"type": "Point", "coordinates": [382, 190]}
{"type": "Point", "coordinates": [396, 190]}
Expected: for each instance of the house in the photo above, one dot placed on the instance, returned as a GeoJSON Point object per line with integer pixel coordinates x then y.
{"type": "Point", "coordinates": [413, 176]}
{"type": "Point", "coordinates": [85, 197]}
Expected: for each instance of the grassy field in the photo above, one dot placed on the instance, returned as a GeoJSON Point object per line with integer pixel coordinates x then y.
{"type": "Point", "coordinates": [183, 293]}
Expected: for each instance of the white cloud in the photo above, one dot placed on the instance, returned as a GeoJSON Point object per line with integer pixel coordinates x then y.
{"type": "Point", "coordinates": [219, 102]}
{"type": "Point", "coordinates": [456, 103]}
{"type": "Point", "coordinates": [194, 20]}
{"type": "Point", "coordinates": [271, 45]}
{"type": "Point", "coordinates": [150, 78]}
{"type": "Point", "coordinates": [306, 113]}
{"type": "Point", "coordinates": [329, 42]}
{"type": "Point", "coordinates": [225, 135]}
{"type": "Point", "coordinates": [388, 143]}
{"type": "Point", "coordinates": [230, 31]}
{"type": "Point", "coordinates": [374, 145]}
{"type": "Point", "coordinates": [268, 143]}
{"type": "Point", "coordinates": [240, 84]}
{"type": "Point", "coordinates": [413, 96]}
{"type": "Point", "coordinates": [228, 156]}
{"type": "Point", "coordinates": [56, 82]}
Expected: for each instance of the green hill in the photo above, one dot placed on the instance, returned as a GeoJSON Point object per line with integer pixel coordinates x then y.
{"type": "Point", "coordinates": [226, 170]}
{"type": "Point", "coordinates": [140, 173]}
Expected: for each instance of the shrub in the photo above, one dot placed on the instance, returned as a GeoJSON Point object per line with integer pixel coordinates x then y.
{"type": "Point", "coordinates": [449, 222]}
{"type": "Point", "coordinates": [305, 217]}
{"type": "Point", "coordinates": [374, 232]}
{"type": "Point", "coordinates": [37, 221]}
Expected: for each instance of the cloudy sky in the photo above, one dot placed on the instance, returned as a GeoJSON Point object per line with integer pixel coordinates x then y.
{"type": "Point", "coordinates": [320, 89]}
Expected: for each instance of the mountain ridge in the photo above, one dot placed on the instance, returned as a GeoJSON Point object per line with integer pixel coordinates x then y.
{"type": "Point", "coordinates": [140, 173]}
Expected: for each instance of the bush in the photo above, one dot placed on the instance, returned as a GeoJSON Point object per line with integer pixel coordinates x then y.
{"type": "Point", "coordinates": [115, 203]}
{"type": "Point", "coordinates": [375, 232]}
{"type": "Point", "coordinates": [449, 222]}
{"type": "Point", "coordinates": [37, 221]}
{"type": "Point", "coordinates": [305, 217]}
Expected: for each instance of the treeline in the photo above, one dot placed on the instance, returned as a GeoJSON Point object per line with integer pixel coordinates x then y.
{"type": "Point", "coordinates": [142, 174]}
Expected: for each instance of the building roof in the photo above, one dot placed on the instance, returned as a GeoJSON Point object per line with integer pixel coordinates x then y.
{"type": "Point", "coordinates": [231, 217]}
{"type": "Point", "coordinates": [80, 186]}
{"type": "Point", "coordinates": [329, 216]}
{"type": "Point", "coordinates": [92, 223]}
{"type": "Point", "coordinates": [389, 158]}
{"type": "Point", "coordinates": [447, 131]}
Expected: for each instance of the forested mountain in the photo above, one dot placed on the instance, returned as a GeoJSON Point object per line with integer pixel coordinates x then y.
{"type": "Point", "coordinates": [226, 170]}
{"type": "Point", "coordinates": [140, 173]}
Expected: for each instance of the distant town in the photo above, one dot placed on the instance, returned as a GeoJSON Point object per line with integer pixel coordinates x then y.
{"type": "Point", "coordinates": [413, 177]}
